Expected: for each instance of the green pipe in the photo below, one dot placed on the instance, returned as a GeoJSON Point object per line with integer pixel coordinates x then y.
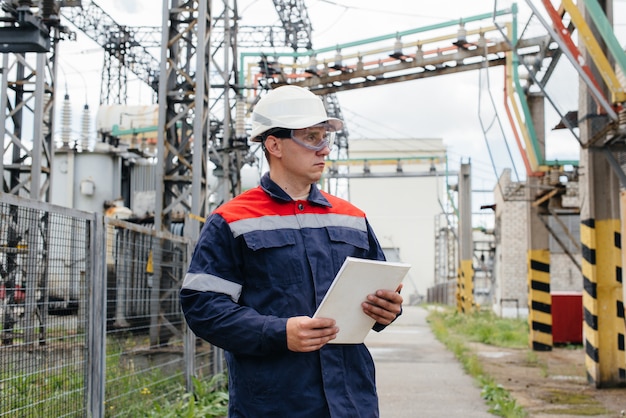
{"type": "Point", "coordinates": [409, 32]}
{"type": "Point", "coordinates": [526, 109]}
{"type": "Point", "coordinates": [606, 31]}
{"type": "Point", "coordinates": [116, 131]}
{"type": "Point", "coordinates": [520, 92]}
{"type": "Point", "coordinates": [561, 163]}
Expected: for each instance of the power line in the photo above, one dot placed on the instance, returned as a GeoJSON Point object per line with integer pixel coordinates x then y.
{"type": "Point", "coordinates": [381, 11]}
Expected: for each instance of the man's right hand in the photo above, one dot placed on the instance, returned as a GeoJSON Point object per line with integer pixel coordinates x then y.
{"type": "Point", "coordinates": [306, 334]}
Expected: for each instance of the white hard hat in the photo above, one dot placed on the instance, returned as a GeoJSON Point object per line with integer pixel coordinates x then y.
{"type": "Point", "coordinates": [289, 107]}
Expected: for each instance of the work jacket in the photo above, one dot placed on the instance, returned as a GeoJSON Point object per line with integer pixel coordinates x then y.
{"type": "Point", "coordinates": [262, 258]}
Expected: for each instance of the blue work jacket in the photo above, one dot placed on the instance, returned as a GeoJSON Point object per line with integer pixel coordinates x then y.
{"type": "Point", "coordinates": [262, 258]}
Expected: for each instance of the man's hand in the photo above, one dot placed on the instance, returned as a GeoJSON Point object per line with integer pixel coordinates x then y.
{"type": "Point", "coordinates": [306, 334]}
{"type": "Point", "coordinates": [384, 305]}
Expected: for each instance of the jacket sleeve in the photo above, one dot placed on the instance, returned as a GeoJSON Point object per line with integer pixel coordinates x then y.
{"type": "Point", "coordinates": [210, 294]}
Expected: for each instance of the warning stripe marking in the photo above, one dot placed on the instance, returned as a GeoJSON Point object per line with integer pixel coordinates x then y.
{"type": "Point", "coordinates": [540, 300]}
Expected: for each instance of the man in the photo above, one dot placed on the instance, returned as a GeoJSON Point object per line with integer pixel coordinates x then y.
{"type": "Point", "coordinates": [262, 265]}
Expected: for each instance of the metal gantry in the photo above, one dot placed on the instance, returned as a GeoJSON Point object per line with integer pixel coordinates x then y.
{"type": "Point", "coordinates": [29, 45]}
{"type": "Point", "coordinates": [126, 48]}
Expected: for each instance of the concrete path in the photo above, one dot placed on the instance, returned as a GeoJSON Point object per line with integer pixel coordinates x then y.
{"type": "Point", "coordinates": [417, 376]}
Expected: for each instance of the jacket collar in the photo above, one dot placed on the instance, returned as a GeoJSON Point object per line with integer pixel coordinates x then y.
{"type": "Point", "coordinates": [276, 192]}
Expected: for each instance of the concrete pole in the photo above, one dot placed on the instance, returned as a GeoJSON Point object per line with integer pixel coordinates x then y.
{"type": "Point", "coordinates": [538, 256]}
{"type": "Point", "coordinates": [600, 229]}
{"type": "Point", "coordinates": [465, 275]}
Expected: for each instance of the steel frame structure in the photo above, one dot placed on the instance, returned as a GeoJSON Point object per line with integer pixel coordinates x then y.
{"type": "Point", "coordinates": [27, 92]}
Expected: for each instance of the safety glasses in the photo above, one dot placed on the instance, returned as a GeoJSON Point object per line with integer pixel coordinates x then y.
{"type": "Point", "coordinates": [315, 138]}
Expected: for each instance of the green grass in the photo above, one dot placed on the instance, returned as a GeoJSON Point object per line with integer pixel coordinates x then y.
{"type": "Point", "coordinates": [209, 399]}
{"type": "Point", "coordinates": [130, 390]}
{"type": "Point", "coordinates": [52, 392]}
{"type": "Point", "coordinates": [149, 393]}
{"type": "Point", "coordinates": [454, 330]}
{"type": "Point", "coordinates": [137, 394]}
{"type": "Point", "coordinates": [486, 327]}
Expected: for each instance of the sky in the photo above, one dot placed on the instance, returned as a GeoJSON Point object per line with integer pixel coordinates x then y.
{"type": "Point", "coordinates": [464, 109]}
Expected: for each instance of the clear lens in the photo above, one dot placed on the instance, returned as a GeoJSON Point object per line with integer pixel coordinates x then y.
{"type": "Point", "coordinates": [315, 138]}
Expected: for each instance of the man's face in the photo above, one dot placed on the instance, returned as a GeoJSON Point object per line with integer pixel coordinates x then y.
{"type": "Point", "coordinates": [297, 161]}
{"type": "Point", "coordinates": [303, 162]}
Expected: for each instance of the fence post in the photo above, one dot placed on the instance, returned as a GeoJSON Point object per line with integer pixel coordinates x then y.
{"type": "Point", "coordinates": [96, 334]}
{"type": "Point", "coordinates": [189, 341]}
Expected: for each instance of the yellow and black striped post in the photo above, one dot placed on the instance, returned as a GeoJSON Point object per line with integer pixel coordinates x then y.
{"type": "Point", "coordinates": [459, 291]}
{"type": "Point", "coordinates": [603, 307]}
{"type": "Point", "coordinates": [465, 287]}
{"type": "Point", "coordinates": [621, 307]}
{"type": "Point", "coordinates": [539, 300]}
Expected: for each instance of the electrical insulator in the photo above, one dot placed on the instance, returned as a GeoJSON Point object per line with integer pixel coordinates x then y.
{"type": "Point", "coordinates": [312, 67]}
{"type": "Point", "coordinates": [621, 118]}
{"type": "Point", "coordinates": [240, 108]}
{"type": "Point", "coordinates": [419, 54]}
{"type": "Point", "coordinates": [555, 175]}
{"type": "Point", "coordinates": [338, 59]}
{"type": "Point", "coordinates": [359, 64]}
{"type": "Point", "coordinates": [482, 41]}
{"type": "Point", "coordinates": [66, 122]}
{"type": "Point", "coordinates": [84, 133]}
{"type": "Point", "coordinates": [397, 48]}
{"type": "Point", "coordinates": [462, 34]}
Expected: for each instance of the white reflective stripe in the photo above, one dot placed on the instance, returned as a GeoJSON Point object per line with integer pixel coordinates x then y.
{"type": "Point", "coordinates": [264, 223]}
{"type": "Point", "coordinates": [209, 283]}
{"type": "Point", "coordinates": [312, 220]}
{"type": "Point", "coordinates": [308, 220]}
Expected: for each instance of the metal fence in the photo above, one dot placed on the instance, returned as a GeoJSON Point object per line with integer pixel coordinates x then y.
{"type": "Point", "coordinates": [90, 318]}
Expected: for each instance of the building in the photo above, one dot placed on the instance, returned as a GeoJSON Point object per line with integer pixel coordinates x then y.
{"type": "Point", "coordinates": [401, 184]}
{"type": "Point", "coordinates": [511, 229]}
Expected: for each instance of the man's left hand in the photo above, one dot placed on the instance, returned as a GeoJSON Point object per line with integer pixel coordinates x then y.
{"type": "Point", "coordinates": [384, 306]}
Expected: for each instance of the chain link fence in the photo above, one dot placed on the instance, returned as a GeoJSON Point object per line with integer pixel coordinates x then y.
{"type": "Point", "coordinates": [89, 314]}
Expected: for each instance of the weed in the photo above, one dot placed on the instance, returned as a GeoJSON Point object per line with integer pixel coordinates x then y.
{"type": "Point", "coordinates": [500, 401]}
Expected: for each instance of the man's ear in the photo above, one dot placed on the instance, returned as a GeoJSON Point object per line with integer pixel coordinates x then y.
{"type": "Point", "coordinates": [274, 146]}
